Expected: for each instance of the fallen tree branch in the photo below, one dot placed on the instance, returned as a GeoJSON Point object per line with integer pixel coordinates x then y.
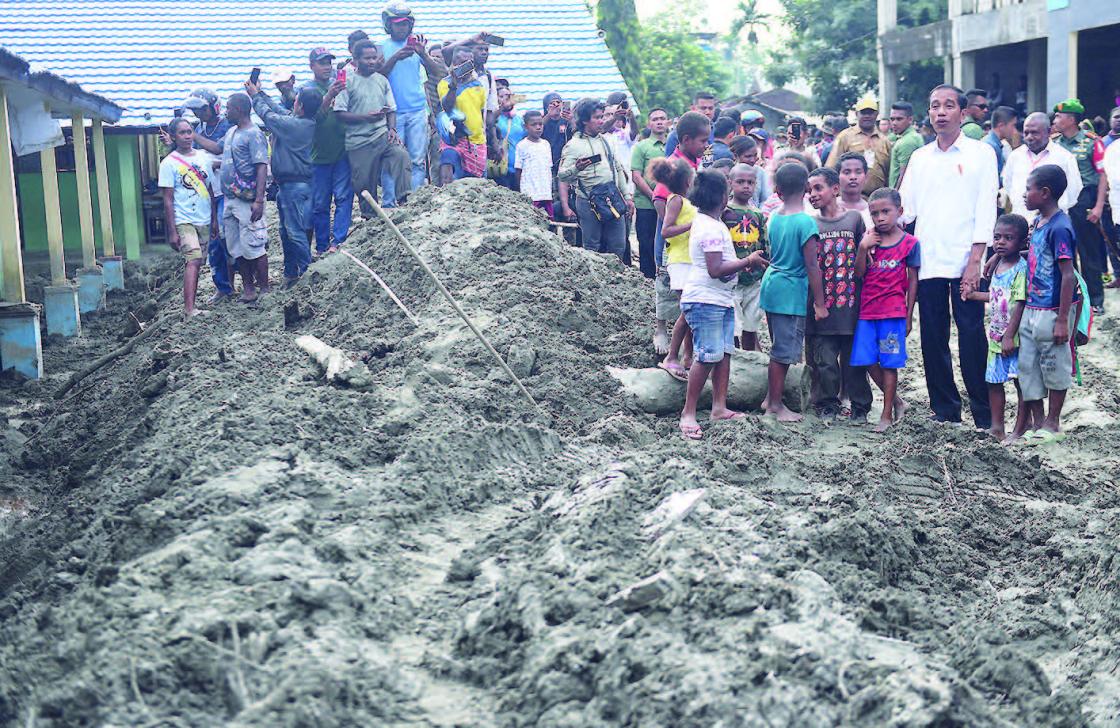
{"type": "Point", "coordinates": [109, 358]}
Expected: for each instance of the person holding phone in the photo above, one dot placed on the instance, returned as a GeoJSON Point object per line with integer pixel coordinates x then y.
{"type": "Point", "coordinates": [604, 201]}
{"type": "Point", "coordinates": [463, 102]}
{"type": "Point", "coordinates": [368, 109]}
{"type": "Point", "coordinates": [797, 140]}
{"type": "Point", "coordinates": [406, 53]}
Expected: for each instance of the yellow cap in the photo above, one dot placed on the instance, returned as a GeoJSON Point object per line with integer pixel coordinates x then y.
{"type": "Point", "coordinates": [867, 102]}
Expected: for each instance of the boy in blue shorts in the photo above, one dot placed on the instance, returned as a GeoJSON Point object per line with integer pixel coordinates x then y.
{"type": "Point", "coordinates": [1045, 356]}
{"type": "Point", "coordinates": [887, 263]}
{"type": "Point", "coordinates": [1006, 297]}
{"type": "Point", "coordinates": [792, 274]}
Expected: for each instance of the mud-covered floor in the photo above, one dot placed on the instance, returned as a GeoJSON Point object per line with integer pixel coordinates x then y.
{"type": "Point", "coordinates": [206, 533]}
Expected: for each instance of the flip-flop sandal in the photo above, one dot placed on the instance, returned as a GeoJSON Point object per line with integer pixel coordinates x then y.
{"type": "Point", "coordinates": [691, 432]}
{"type": "Point", "coordinates": [1049, 437]}
{"type": "Point", "coordinates": [732, 418]}
{"type": "Point", "coordinates": [676, 371]}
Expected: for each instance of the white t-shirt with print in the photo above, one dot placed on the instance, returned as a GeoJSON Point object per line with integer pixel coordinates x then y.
{"type": "Point", "coordinates": [534, 159]}
{"type": "Point", "coordinates": [191, 176]}
{"type": "Point", "coordinates": [709, 235]}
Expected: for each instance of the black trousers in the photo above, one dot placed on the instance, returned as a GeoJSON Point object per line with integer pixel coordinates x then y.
{"type": "Point", "coordinates": [1090, 244]}
{"type": "Point", "coordinates": [828, 356]}
{"type": "Point", "coordinates": [935, 297]}
{"type": "Point", "coordinates": [645, 225]}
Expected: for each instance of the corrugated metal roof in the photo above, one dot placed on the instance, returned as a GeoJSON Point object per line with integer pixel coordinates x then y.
{"type": "Point", "coordinates": [147, 55]}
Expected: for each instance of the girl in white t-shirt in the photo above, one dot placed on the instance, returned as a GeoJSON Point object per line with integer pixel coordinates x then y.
{"type": "Point", "coordinates": [708, 299]}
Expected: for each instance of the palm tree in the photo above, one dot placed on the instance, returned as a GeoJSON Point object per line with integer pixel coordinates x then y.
{"type": "Point", "coordinates": [750, 18]}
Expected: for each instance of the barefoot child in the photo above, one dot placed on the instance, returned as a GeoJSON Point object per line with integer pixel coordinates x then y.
{"type": "Point", "coordinates": [887, 263]}
{"type": "Point", "coordinates": [748, 234]}
{"type": "Point", "coordinates": [189, 203]}
{"type": "Point", "coordinates": [533, 164]}
{"type": "Point", "coordinates": [707, 302]}
{"type": "Point", "coordinates": [1006, 297]}
{"type": "Point", "coordinates": [675, 175]}
{"type": "Point", "coordinates": [1045, 357]}
{"type": "Point", "coordinates": [829, 342]}
{"type": "Point", "coordinates": [852, 169]}
{"type": "Point", "coordinates": [792, 274]}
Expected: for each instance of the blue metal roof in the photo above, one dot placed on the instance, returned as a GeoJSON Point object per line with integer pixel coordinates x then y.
{"type": "Point", "coordinates": [147, 55]}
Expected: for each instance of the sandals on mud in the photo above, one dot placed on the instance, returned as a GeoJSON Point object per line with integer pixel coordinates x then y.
{"type": "Point", "coordinates": [676, 371]}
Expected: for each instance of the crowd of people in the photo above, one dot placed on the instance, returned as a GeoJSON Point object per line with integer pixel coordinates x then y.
{"type": "Point", "coordinates": [836, 233]}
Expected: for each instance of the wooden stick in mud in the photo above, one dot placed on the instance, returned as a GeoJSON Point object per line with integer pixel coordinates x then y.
{"type": "Point", "coordinates": [447, 294]}
{"type": "Point", "coordinates": [384, 286]}
{"type": "Point", "coordinates": [110, 357]}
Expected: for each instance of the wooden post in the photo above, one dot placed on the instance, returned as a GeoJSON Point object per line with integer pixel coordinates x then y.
{"type": "Point", "coordinates": [11, 259]}
{"type": "Point", "coordinates": [85, 201]}
{"type": "Point", "coordinates": [54, 217]}
{"type": "Point", "coordinates": [101, 170]}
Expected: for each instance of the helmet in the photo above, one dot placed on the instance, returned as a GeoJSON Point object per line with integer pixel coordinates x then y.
{"type": "Point", "coordinates": [395, 11]}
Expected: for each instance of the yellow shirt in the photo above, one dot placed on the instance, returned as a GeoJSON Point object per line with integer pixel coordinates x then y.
{"type": "Point", "coordinates": [471, 100]}
{"type": "Point", "coordinates": [676, 247]}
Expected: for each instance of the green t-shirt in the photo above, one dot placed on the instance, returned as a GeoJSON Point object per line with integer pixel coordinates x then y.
{"type": "Point", "coordinates": [329, 143]}
{"type": "Point", "coordinates": [785, 286]}
{"type": "Point", "coordinates": [906, 145]}
{"type": "Point", "coordinates": [748, 234]}
{"type": "Point", "coordinates": [646, 150]}
{"type": "Point", "coordinates": [972, 130]}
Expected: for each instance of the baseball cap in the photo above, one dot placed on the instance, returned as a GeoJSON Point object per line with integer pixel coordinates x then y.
{"type": "Point", "coordinates": [1070, 106]}
{"type": "Point", "coordinates": [867, 102]}
{"type": "Point", "coordinates": [280, 75]}
{"type": "Point", "coordinates": [319, 54]}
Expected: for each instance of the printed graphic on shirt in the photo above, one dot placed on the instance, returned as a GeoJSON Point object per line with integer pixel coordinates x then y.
{"type": "Point", "coordinates": [837, 258]}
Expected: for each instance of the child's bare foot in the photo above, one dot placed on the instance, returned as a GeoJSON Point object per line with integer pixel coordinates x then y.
{"type": "Point", "coordinates": [249, 295]}
{"type": "Point", "coordinates": [998, 433]}
{"type": "Point", "coordinates": [726, 414]}
{"type": "Point", "coordinates": [195, 312]}
{"type": "Point", "coordinates": [660, 341]}
{"type": "Point", "coordinates": [691, 429]}
{"type": "Point", "coordinates": [900, 408]}
{"type": "Point", "coordinates": [783, 413]}
{"type": "Point", "coordinates": [883, 425]}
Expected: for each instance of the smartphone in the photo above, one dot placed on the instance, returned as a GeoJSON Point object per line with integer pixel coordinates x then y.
{"type": "Point", "coordinates": [463, 71]}
{"type": "Point", "coordinates": [341, 76]}
{"type": "Point", "coordinates": [795, 129]}
{"type": "Point", "coordinates": [255, 76]}
{"type": "Point", "coordinates": [566, 106]}
{"type": "Point", "coordinates": [178, 112]}
{"type": "Point", "coordinates": [493, 39]}
{"type": "Point", "coordinates": [595, 158]}
{"type": "Point", "coordinates": [412, 41]}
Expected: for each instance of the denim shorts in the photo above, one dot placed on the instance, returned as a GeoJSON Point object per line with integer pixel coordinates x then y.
{"type": "Point", "coordinates": [1000, 368]}
{"type": "Point", "coordinates": [787, 337]}
{"type": "Point", "coordinates": [880, 341]}
{"type": "Point", "coordinates": [713, 330]}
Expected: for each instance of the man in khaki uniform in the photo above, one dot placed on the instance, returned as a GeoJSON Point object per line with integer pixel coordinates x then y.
{"type": "Point", "coordinates": [866, 139]}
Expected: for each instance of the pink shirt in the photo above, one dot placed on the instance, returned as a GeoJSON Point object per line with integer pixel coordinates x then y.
{"type": "Point", "coordinates": [886, 281]}
{"type": "Point", "coordinates": [661, 192]}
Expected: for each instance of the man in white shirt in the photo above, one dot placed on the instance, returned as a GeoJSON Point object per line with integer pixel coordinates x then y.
{"type": "Point", "coordinates": [950, 189]}
{"type": "Point", "coordinates": [1036, 151]}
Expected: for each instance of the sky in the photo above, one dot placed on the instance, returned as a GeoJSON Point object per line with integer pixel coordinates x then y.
{"type": "Point", "coordinates": [719, 12]}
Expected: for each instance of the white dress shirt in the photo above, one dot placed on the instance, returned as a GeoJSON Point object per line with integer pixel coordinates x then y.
{"type": "Point", "coordinates": [1021, 162]}
{"type": "Point", "coordinates": [1112, 172]}
{"type": "Point", "coordinates": [952, 194]}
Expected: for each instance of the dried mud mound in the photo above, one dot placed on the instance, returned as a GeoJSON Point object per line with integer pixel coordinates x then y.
{"type": "Point", "coordinates": [211, 534]}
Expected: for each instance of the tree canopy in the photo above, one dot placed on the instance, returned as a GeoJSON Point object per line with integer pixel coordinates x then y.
{"type": "Point", "coordinates": [666, 65]}
{"type": "Point", "coordinates": [832, 46]}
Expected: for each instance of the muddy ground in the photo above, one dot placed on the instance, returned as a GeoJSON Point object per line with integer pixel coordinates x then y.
{"type": "Point", "coordinates": [205, 532]}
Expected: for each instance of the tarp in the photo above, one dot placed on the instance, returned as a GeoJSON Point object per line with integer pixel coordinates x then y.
{"type": "Point", "coordinates": [32, 127]}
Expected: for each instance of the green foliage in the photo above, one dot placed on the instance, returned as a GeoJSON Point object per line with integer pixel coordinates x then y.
{"type": "Point", "coordinates": [676, 66]}
{"type": "Point", "coordinates": [747, 15]}
{"type": "Point", "coordinates": [619, 22]}
{"type": "Point", "coordinates": [832, 46]}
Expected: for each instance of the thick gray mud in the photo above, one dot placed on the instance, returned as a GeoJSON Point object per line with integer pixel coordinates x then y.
{"type": "Point", "coordinates": [206, 532]}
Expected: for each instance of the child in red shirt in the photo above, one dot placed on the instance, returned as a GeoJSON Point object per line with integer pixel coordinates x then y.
{"type": "Point", "coordinates": [887, 262]}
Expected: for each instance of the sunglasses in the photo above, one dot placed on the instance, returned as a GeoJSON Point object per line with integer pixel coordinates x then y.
{"type": "Point", "coordinates": [981, 106]}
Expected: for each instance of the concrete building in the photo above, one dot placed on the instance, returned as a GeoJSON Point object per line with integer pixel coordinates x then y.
{"type": "Point", "coordinates": [1036, 52]}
